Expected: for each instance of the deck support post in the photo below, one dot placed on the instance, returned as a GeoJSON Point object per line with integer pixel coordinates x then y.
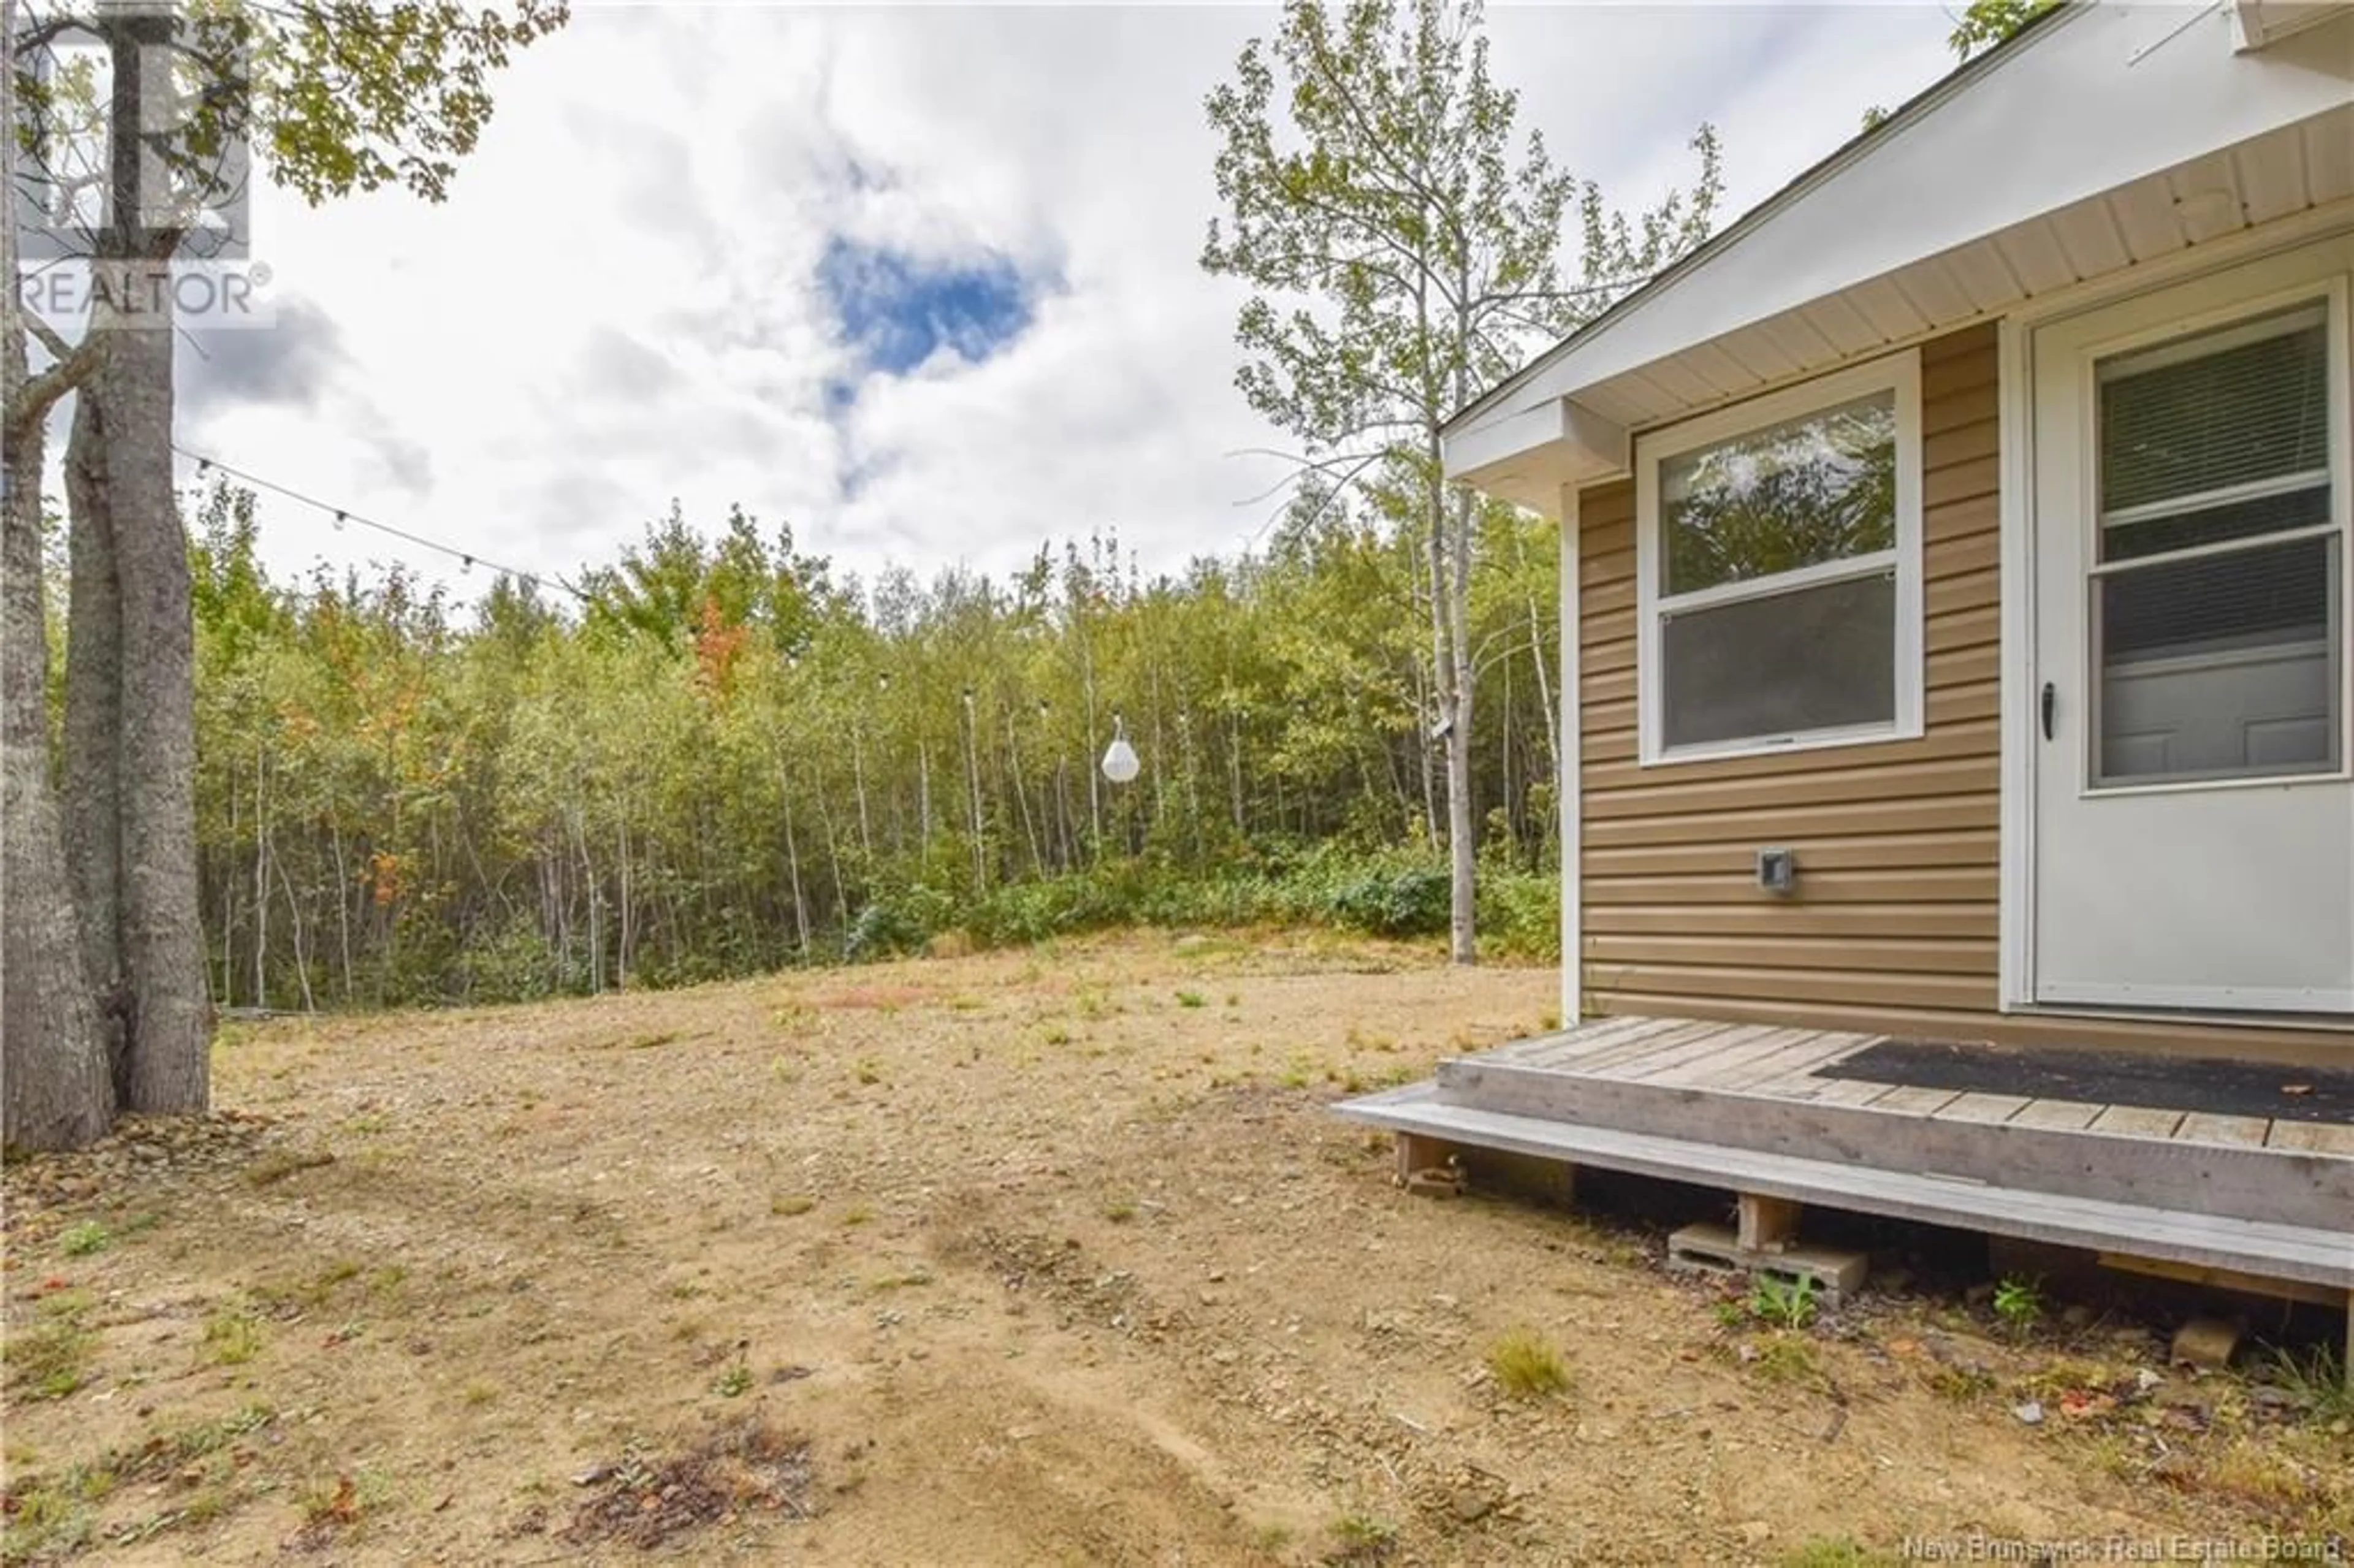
{"type": "Point", "coordinates": [1767, 1225]}
{"type": "Point", "coordinates": [1416, 1152]}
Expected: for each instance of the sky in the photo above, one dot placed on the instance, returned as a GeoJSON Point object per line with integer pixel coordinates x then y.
{"type": "Point", "coordinates": [921, 282]}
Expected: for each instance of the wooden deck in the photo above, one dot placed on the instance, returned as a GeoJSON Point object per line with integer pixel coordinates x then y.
{"type": "Point", "coordinates": [1788, 1065]}
{"type": "Point", "coordinates": [1750, 1107]}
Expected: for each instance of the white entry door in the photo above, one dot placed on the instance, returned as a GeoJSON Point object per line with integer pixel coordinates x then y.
{"type": "Point", "coordinates": [2193, 824]}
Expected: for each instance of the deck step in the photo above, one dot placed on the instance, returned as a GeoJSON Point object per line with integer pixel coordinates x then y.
{"type": "Point", "coordinates": [2313, 1254]}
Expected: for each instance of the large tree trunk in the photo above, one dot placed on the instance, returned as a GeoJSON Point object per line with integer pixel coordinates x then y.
{"type": "Point", "coordinates": [132, 536]}
{"type": "Point", "coordinates": [93, 727]}
{"type": "Point", "coordinates": [52, 1058]}
{"type": "Point", "coordinates": [58, 1091]}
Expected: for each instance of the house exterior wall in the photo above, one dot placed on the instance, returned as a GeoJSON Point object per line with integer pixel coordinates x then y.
{"type": "Point", "coordinates": [1894, 922]}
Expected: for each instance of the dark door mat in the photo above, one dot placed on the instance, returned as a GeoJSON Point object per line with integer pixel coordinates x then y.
{"type": "Point", "coordinates": [2099, 1077]}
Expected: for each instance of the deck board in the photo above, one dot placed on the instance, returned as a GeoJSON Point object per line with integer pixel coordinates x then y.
{"type": "Point", "coordinates": [1701, 1071]}
{"type": "Point", "coordinates": [2204, 1127]}
{"type": "Point", "coordinates": [1984, 1108]}
{"type": "Point", "coordinates": [1909, 1101]}
{"type": "Point", "coordinates": [1670, 1033]}
{"type": "Point", "coordinates": [1839, 1092]}
{"type": "Point", "coordinates": [2059, 1116]}
{"type": "Point", "coordinates": [2312, 1138]}
{"type": "Point", "coordinates": [1569, 1046]}
{"type": "Point", "coordinates": [1813, 1048]}
{"type": "Point", "coordinates": [2137, 1121]}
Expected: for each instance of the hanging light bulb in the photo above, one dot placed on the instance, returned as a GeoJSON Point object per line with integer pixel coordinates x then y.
{"type": "Point", "coordinates": [1120, 763]}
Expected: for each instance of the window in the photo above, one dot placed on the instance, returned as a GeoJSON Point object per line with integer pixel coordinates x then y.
{"type": "Point", "coordinates": [2220, 568]}
{"type": "Point", "coordinates": [1778, 557]}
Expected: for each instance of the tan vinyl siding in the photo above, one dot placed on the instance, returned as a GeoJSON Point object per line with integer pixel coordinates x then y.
{"type": "Point", "coordinates": [1893, 925]}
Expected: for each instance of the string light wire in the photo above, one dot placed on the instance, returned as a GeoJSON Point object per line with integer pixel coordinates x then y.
{"type": "Point", "coordinates": [466, 559]}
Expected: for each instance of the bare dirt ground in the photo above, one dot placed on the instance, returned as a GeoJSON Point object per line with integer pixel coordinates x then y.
{"type": "Point", "coordinates": [1035, 1257]}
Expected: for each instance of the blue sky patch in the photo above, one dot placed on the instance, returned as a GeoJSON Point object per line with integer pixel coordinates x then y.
{"type": "Point", "coordinates": [897, 310]}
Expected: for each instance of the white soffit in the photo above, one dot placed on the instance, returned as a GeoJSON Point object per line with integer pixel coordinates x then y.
{"type": "Point", "coordinates": [1963, 208]}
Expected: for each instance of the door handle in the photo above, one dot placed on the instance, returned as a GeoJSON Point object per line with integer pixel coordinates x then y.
{"type": "Point", "coordinates": [2050, 699]}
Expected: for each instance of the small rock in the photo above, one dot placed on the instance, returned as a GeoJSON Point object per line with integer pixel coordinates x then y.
{"type": "Point", "coordinates": [1470, 1505]}
{"type": "Point", "coordinates": [2205, 1342]}
{"type": "Point", "coordinates": [2077, 1316]}
{"type": "Point", "coordinates": [2031, 1413]}
{"type": "Point", "coordinates": [1757, 1532]}
{"type": "Point", "coordinates": [2145, 1380]}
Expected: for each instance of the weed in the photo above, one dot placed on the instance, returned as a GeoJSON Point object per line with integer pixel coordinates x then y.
{"type": "Point", "coordinates": [479, 1393]}
{"type": "Point", "coordinates": [1363, 1538]}
{"type": "Point", "coordinates": [857, 1214]}
{"type": "Point", "coordinates": [46, 1520]}
{"type": "Point", "coordinates": [2317, 1383]}
{"type": "Point", "coordinates": [1785, 1303]}
{"type": "Point", "coordinates": [2019, 1304]}
{"type": "Point", "coordinates": [869, 1072]}
{"type": "Point", "coordinates": [1057, 1035]}
{"type": "Point", "coordinates": [735, 1382]}
{"type": "Point", "coordinates": [1787, 1357]}
{"type": "Point", "coordinates": [788, 1205]}
{"type": "Point", "coordinates": [2257, 1472]}
{"type": "Point", "coordinates": [50, 1358]}
{"type": "Point", "coordinates": [86, 1238]}
{"type": "Point", "coordinates": [1833, 1552]}
{"type": "Point", "coordinates": [232, 1336]}
{"type": "Point", "coordinates": [328, 1508]}
{"type": "Point", "coordinates": [1192, 999]}
{"type": "Point", "coordinates": [1524, 1366]}
{"type": "Point", "coordinates": [1120, 1211]}
{"type": "Point", "coordinates": [1234, 998]}
{"type": "Point", "coordinates": [648, 1042]}
{"type": "Point", "coordinates": [1961, 1383]}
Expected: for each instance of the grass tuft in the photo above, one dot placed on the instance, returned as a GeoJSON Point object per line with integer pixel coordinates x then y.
{"type": "Point", "coordinates": [1525, 1366]}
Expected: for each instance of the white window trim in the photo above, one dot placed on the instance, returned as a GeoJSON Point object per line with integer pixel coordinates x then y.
{"type": "Point", "coordinates": [1899, 374]}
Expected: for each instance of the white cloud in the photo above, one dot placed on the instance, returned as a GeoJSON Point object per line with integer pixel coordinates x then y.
{"type": "Point", "coordinates": [618, 305]}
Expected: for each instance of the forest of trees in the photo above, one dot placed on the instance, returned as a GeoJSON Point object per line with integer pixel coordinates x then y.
{"type": "Point", "coordinates": [723, 756]}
